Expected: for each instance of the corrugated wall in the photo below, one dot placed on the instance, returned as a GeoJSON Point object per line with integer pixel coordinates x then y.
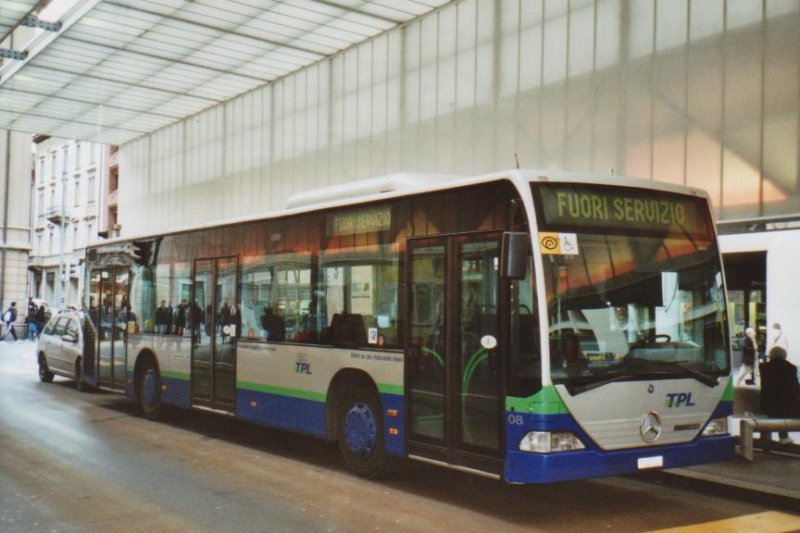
{"type": "Point", "coordinates": [703, 92]}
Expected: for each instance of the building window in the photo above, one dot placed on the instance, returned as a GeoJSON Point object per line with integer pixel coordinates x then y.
{"type": "Point", "coordinates": [52, 199]}
{"type": "Point", "coordinates": [50, 244]}
{"type": "Point", "coordinates": [77, 191]}
{"type": "Point", "coordinates": [40, 177]}
{"type": "Point", "coordinates": [90, 188]}
{"type": "Point", "coordinates": [77, 155]}
{"type": "Point", "coordinates": [40, 207]}
{"type": "Point", "coordinates": [89, 230]}
{"type": "Point", "coordinates": [39, 250]}
{"type": "Point", "coordinates": [75, 243]}
{"type": "Point", "coordinates": [53, 167]}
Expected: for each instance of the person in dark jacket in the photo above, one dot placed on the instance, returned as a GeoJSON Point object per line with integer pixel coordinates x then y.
{"type": "Point", "coordinates": [30, 319]}
{"type": "Point", "coordinates": [180, 317]}
{"type": "Point", "coordinates": [780, 390]}
{"type": "Point", "coordinates": [41, 319]}
{"type": "Point", "coordinates": [9, 317]}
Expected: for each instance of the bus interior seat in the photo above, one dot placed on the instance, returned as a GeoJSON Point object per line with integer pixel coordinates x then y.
{"type": "Point", "coordinates": [347, 330]}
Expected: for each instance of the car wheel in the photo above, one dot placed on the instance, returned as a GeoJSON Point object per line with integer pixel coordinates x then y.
{"type": "Point", "coordinates": [45, 376]}
{"type": "Point", "coordinates": [360, 433]}
{"type": "Point", "coordinates": [148, 387]}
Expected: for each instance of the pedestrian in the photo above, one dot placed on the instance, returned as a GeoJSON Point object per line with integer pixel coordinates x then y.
{"type": "Point", "coordinates": [30, 319]}
{"type": "Point", "coordinates": [41, 319]}
{"type": "Point", "coordinates": [9, 317]}
{"type": "Point", "coordinates": [749, 350]}
{"type": "Point", "coordinates": [780, 390]}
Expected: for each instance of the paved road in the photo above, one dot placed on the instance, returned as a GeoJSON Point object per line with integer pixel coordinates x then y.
{"type": "Point", "coordinates": [72, 461]}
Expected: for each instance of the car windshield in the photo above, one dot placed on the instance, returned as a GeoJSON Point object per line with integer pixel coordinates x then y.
{"type": "Point", "coordinates": [636, 298]}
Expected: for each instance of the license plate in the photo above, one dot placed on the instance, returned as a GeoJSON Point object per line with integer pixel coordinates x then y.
{"type": "Point", "coordinates": [650, 462]}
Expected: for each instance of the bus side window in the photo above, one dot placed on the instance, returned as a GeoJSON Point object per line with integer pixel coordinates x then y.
{"type": "Point", "coordinates": [347, 330]}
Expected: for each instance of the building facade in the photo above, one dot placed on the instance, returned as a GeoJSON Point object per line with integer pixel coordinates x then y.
{"type": "Point", "coordinates": [67, 206]}
{"type": "Point", "coordinates": [15, 217]}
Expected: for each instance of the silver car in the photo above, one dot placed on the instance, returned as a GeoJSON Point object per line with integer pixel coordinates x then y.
{"type": "Point", "coordinates": [60, 347]}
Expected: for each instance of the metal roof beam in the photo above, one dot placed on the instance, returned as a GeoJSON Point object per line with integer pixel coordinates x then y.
{"type": "Point", "coordinates": [8, 53]}
{"type": "Point", "coordinates": [32, 21]}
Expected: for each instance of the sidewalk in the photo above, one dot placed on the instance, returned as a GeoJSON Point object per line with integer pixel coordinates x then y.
{"type": "Point", "coordinates": [775, 473]}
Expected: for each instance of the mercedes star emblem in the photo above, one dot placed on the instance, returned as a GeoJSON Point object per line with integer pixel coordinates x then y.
{"type": "Point", "coordinates": [650, 428]}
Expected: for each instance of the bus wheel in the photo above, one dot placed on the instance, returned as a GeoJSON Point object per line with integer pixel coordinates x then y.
{"type": "Point", "coordinates": [45, 376]}
{"type": "Point", "coordinates": [148, 386]}
{"type": "Point", "coordinates": [360, 433]}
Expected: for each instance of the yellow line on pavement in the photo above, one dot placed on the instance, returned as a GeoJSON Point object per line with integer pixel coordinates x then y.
{"type": "Point", "coordinates": [767, 522]}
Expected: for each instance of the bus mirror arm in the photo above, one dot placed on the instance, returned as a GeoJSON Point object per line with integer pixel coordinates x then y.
{"type": "Point", "coordinates": [514, 256]}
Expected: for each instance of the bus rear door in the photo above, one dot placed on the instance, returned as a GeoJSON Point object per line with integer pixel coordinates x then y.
{"type": "Point", "coordinates": [452, 369]}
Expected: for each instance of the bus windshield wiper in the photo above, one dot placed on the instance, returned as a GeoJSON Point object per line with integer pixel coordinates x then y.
{"type": "Point", "coordinates": [574, 389]}
{"type": "Point", "coordinates": [702, 377]}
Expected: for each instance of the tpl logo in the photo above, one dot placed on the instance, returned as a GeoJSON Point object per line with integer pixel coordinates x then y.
{"type": "Point", "coordinates": [302, 368]}
{"type": "Point", "coordinates": [679, 399]}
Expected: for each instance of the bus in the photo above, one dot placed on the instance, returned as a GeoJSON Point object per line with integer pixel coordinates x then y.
{"type": "Point", "coordinates": [531, 327]}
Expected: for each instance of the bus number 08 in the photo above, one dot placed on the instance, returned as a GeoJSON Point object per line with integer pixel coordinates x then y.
{"type": "Point", "coordinates": [515, 419]}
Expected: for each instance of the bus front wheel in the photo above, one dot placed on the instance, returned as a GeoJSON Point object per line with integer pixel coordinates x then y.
{"type": "Point", "coordinates": [360, 433]}
{"type": "Point", "coordinates": [148, 387]}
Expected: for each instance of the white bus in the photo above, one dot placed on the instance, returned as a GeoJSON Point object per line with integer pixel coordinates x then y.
{"type": "Point", "coordinates": [527, 326]}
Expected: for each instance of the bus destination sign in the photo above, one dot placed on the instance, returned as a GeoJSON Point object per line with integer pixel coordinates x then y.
{"type": "Point", "coordinates": [360, 221]}
{"type": "Point", "coordinates": [600, 207]}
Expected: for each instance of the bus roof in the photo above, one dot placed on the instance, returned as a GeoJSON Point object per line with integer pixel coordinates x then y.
{"type": "Point", "coordinates": [402, 184]}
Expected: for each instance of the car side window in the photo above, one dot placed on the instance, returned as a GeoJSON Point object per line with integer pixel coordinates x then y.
{"type": "Point", "coordinates": [72, 328]}
{"type": "Point", "coordinates": [61, 326]}
{"type": "Point", "coordinates": [48, 330]}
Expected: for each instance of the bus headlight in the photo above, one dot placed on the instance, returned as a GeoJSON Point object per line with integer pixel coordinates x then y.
{"type": "Point", "coordinates": [550, 441]}
{"type": "Point", "coordinates": [717, 426]}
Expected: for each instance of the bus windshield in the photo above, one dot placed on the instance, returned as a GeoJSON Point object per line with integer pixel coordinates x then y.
{"type": "Point", "coordinates": [634, 286]}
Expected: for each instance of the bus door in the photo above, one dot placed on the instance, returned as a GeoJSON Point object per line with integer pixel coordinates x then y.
{"type": "Point", "coordinates": [452, 369]}
{"type": "Point", "coordinates": [215, 321]}
{"type": "Point", "coordinates": [110, 311]}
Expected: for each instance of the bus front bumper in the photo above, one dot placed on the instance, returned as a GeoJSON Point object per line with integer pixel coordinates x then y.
{"type": "Point", "coordinates": [527, 467]}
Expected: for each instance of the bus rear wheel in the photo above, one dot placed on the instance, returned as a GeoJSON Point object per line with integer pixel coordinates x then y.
{"type": "Point", "coordinates": [148, 389]}
{"type": "Point", "coordinates": [360, 433]}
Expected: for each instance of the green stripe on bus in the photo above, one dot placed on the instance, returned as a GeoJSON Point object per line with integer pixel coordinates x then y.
{"type": "Point", "coordinates": [175, 375]}
{"type": "Point", "coordinates": [385, 388]}
{"type": "Point", "coordinates": [282, 391]}
{"type": "Point", "coordinates": [727, 396]}
{"type": "Point", "coordinates": [545, 402]}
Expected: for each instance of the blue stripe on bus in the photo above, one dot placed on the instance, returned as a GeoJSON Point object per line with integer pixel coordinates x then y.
{"type": "Point", "coordinates": [395, 444]}
{"type": "Point", "coordinates": [527, 467]}
{"type": "Point", "coordinates": [296, 414]}
{"type": "Point", "coordinates": [178, 392]}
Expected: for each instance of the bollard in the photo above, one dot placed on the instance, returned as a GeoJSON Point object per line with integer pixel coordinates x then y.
{"type": "Point", "coordinates": [747, 426]}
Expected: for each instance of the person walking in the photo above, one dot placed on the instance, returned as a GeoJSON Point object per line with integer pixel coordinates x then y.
{"type": "Point", "coordinates": [777, 337]}
{"type": "Point", "coordinates": [9, 317]}
{"type": "Point", "coordinates": [749, 351]}
{"type": "Point", "coordinates": [780, 390]}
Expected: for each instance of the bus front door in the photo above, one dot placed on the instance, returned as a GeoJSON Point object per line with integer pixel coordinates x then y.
{"type": "Point", "coordinates": [452, 363]}
{"type": "Point", "coordinates": [215, 322]}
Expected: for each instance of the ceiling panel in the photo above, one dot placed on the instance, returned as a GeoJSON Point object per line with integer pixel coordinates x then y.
{"type": "Point", "coordinates": [119, 69]}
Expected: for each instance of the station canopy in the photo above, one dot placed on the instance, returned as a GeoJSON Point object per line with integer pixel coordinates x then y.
{"type": "Point", "coordinates": [113, 70]}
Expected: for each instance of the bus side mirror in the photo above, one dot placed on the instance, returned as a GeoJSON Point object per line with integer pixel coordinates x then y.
{"type": "Point", "coordinates": [514, 260]}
